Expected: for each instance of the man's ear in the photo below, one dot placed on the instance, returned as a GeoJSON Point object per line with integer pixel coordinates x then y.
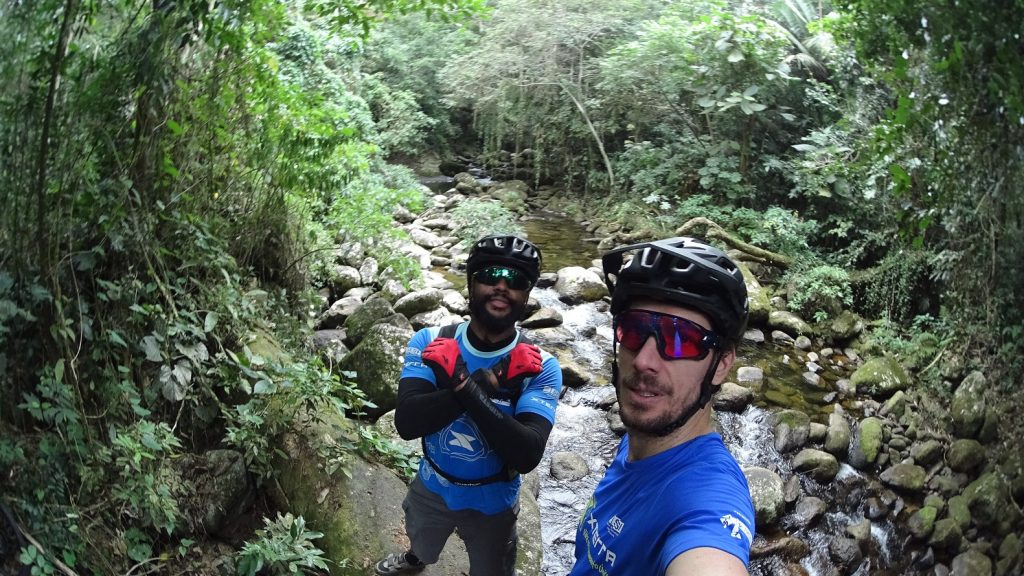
{"type": "Point", "coordinates": [724, 366]}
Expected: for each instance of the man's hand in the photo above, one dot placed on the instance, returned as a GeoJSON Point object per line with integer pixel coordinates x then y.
{"type": "Point", "coordinates": [522, 362]}
{"type": "Point", "coordinates": [443, 357]}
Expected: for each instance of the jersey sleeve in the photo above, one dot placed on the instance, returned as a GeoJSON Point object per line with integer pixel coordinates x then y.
{"type": "Point", "coordinates": [540, 396]}
{"type": "Point", "coordinates": [723, 519]}
{"type": "Point", "coordinates": [414, 366]}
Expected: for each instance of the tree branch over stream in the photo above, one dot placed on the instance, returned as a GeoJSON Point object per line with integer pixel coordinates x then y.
{"type": "Point", "coordinates": [751, 252]}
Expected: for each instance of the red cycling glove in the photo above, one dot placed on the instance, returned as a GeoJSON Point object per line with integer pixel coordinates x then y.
{"type": "Point", "coordinates": [443, 357]}
{"type": "Point", "coordinates": [522, 362]}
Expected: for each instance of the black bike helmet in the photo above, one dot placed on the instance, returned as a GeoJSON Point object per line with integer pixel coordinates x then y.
{"type": "Point", "coordinates": [508, 250]}
{"type": "Point", "coordinates": [684, 271]}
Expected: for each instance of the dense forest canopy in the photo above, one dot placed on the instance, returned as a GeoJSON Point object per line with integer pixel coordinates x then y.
{"type": "Point", "coordinates": [178, 175]}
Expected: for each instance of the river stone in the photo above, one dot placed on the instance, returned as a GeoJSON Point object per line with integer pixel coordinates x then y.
{"type": "Point", "coordinates": [424, 238]}
{"type": "Point", "coordinates": [895, 406]}
{"type": "Point", "coordinates": [783, 546]}
{"type": "Point", "coordinates": [439, 316]}
{"type": "Point", "coordinates": [946, 535]}
{"type": "Point", "coordinates": [573, 375]}
{"type": "Point", "coordinates": [874, 508]}
{"type": "Point", "coordinates": [880, 377]}
{"type": "Point", "coordinates": [576, 285]}
{"type": "Point", "coordinates": [965, 455]}
{"type": "Point", "coordinates": [751, 376]}
{"type": "Point", "coordinates": [988, 499]}
{"type": "Point", "coordinates": [419, 301]}
{"type": "Point", "coordinates": [788, 322]}
{"type": "Point", "coordinates": [959, 510]}
{"type": "Point", "coordinates": [817, 433]}
{"type": "Point", "coordinates": [377, 362]}
{"type": "Point", "coordinates": [364, 317]}
{"type": "Point", "coordinates": [754, 336]}
{"type": "Point", "coordinates": [766, 493]}
{"type": "Point", "coordinates": [837, 437]}
{"type": "Point", "coordinates": [543, 318]}
{"type": "Point", "coordinates": [811, 379]}
{"type": "Point", "coordinates": [908, 477]}
{"type": "Point", "coordinates": [335, 316]}
{"type": "Point", "coordinates": [792, 428]}
{"type": "Point", "coordinates": [860, 532]}
{"type": "Point", "coordinates": [568, 466]}
{"type": "Point", "coordinates": [732, 397]}
{"type": "Point", "coordinates": [968, 406]}
{"type": "Point", "coordinates": [369, 270]}
{"type": "Point", "coordinates": [972, 563]}
{"type": "Point", "coordinates": [780, 337]}
{"type": "Point", "coordinates": [807, 512]}
{"type": "Point", "coordinates": [845, 552]}
{"type": "Point", "coordinates": [866, 444]}
{"type": "Point", "coordinates": [922, 522]}
{"type": "Point", "coordinates": [820, 466]}
{"type": "Point", "coordinates": [392, 290]}
{"type": "Point", "coordinates": [1009, 555]}
{"type": "Point", "coordinates": [455, 302]}
{"type": "Point", "coordinates": [343, 278]}
{"type": "Point", "coordinates": [329, 345]}
{"type": "Point", "coordinates": [802, 343]}
{"type": "Point", "coordinates": [927, 452]}
{"type": "Point", "coordinates": [846, 326]}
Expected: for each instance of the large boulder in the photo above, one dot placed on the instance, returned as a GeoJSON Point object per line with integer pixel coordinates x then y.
{"type": "Point", "coordinates": [880, 377]}
{"type": "Point", "coordinates": [576, 285]}
{"type": "Point", "coordinates": [908, 477]}
{"type": "Point", "coordinates": [837, 437]}
{"type": "Point", "coordinates": [766, 491]}
{"type": "Point", "coordinates": [419, 301]}
{"type": "Point", "coordinates": [377, 363]}
{"type": "Point", "coordinates": [759, 306]}
{"type": "Point", "coordinates": [867, 443]}
{"type": "Point", "coordinates": [792, 428]}
{"type": "Point", "coordinates": [846, 326]}
{"type": "Point", "coordinates": [968, 407]}
{"type": "Point", "coordinates": [789, 323]}
{"type": "Point", "coordinates": [364, 317]}
{"type": "Point", "coordinates": [819, 465]}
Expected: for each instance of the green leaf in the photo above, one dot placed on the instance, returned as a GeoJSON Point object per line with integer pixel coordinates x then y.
{"type": "Point", "coordinates": [151, 347]}
{"type": "Point", "coordinates": [114, 337]}
{"type": "Point", "coordinates": [735, 56]}
{"type": "Point", "coordinates": [211, 322]}
{"type": "Point", "coordinates": [174, 127]}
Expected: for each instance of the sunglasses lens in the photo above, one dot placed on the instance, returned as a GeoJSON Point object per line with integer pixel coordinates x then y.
{"type": "Point", "coordinates": [677, 338]}
{"type": "Point", "coordinates": [515, 279]}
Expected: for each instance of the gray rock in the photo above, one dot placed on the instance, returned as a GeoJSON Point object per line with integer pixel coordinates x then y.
{"type": "Point", "coordinates": [837, 437]}
{"type": "Point", "coordinates": [972, 563]}
{"type": "Point", "coordinates": [927, 452]}
{"type": "Point", "coordinates": [364, 317]}
{"type": "Point", "coordinates": [968, 407]}
{"type": "Point", "coordinates": [965, 455]}
{"type": "Point", "coordinates": [802, 343]}
{"type": "Point", "coordinates": [419, 301]}
{"type": "Point", "coordinates": [922, 522]}
{"type": "Point", "coordinates": [576, 285]}
{"type": "Point", "coordinates": [568, 466]}
{"type": "Point", "coordinates": [821, 466]}
{"type": "Point", "coordinates": [438, 317]}
{"type": "Point", "coordinates": [573, 375]}
{"type": "Point", "coordinates": [792, 428]}
{"type": "Point", "coordinates": [880, 377]}
{"type": "Point", "coordinates": [861, 533]}
{"type": "Point", "coordinates": [377, 362]}
{"type": "Point", "coordinates": [214, 488]}
{"type": "Point", "coordinates": [845, 552]}
{"type": "Point", "coordinates": [750, 376]}
{"type": "Point", "coordinates": [344, 278]}
{"type": "Point", "coordinates": [908, 477]}
{"type": "Point", "coordinates": [732, 397]}
{"type": "Point", "coordinates": [788, 322]}
{"type": "Point", "coordinates": [766, 493]}
{"type": "Point", "coordinates": [369, 270]}
{"type": "Point", "coordinates": [946, 535]}
{"type": "Point", "coordinates": [543, 318]}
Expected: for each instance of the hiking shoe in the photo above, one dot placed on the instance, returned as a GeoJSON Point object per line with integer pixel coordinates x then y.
{"type": "Point", "coordinates": [397, 563]}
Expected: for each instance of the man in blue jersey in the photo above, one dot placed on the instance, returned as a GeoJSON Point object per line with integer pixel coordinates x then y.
{"type": "Point", "coordinates": [673, 501]}
{"type": "Point", "coordinates": [482, 398]}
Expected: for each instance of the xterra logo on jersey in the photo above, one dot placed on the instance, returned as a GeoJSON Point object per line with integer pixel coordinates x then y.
{"type": "Point", "coordinates": [737, 526]}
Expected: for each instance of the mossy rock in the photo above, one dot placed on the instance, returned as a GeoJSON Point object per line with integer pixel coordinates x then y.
{"type": "Point", "coordinates": [880, 377]}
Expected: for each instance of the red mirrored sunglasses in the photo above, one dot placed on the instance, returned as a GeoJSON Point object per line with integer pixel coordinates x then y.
{"type": "Point", "coordinates": [677, 338]}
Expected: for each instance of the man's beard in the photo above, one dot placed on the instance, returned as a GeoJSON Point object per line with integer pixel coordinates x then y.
{"type": "Point", "coordinates": [490, 322]}
{"type": "Point", "coordinates": [662, 425]}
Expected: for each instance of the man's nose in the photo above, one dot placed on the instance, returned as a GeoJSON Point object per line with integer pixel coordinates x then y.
{"type": "Point", "coordinates": [647, 357]}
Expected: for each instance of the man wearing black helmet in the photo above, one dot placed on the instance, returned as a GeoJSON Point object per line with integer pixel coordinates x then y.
{"type": "Point", "coordinates": [673, 501]}
{"type": "Point", "coordinates": [482, 398]}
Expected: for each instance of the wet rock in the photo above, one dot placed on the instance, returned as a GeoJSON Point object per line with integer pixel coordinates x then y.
{"type": "Point", "coordinates": [817, 432]}
{"type": "Point", "coordinates": [766, 493]}
{"type": "Point", "coordinates": [792, 429]}
{"type": "Point", "coordinates": [615, 421]}
{"type": "Point", "coordinates": [418, 301]}
{"type": "Point", "coordinates": [787, 547]}
{"type": "Point", "coordinates": [1010, 555]}
{"type": "Point", "coordinates": [543, 318]}
{"type": "Point", "coordinates": [577, 284]}
{"type": "Point", "coordinates": [972, 563]}
{"type": "Point", "coordinates": [927, 452]}
{"type": "Point", "coordinates": [792, 489]}
{"type": "Point", "coordinates": [837, 438]}
{"type": "Point", "coordinates": [946, 535]}
{"type": "Point", "coordinates": [968, 406]}
{"type": "Point", "coordinates": [965, 455]}
{"type": "Point", "coordinates": [874, 508]}
{"type": "Point", "coordinates": [821, 466]}
{"type": "Point", "coordinates": [732, 397]}
{"type": "Point", "coordinates": [922, 522]}
{"type": "Point", "coordinates": [880, 377]}
{"type": "Point", "coordinates": [922, 561]}
{"type": "Point", "coordinates": [568, 466]}
{"type": "Point", "coordinates": [959, 511]}
{"type": "Point", "coordinates": [895, 406]}
{"type": "Point", "coordinates": [788, 322]}
{"type": "Point", "coordinates": [363, 318]}
{"type": "Point", "coordinates": [867, 444]}
{"type": "Point", "coordinates": [377, 362]}
{"type": "Point", "coordinates": [573, 375]}
{"type": "Point", "coordinates": [907, 477]}
{"type": "Point", "coordinates": [845, 552]}
{"type": "Point", "coordinates": [808, 511]}
{"type": "Point", "coordinates": [750, 376]}
{"type": "Point", "coordinates": [860, 532]}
